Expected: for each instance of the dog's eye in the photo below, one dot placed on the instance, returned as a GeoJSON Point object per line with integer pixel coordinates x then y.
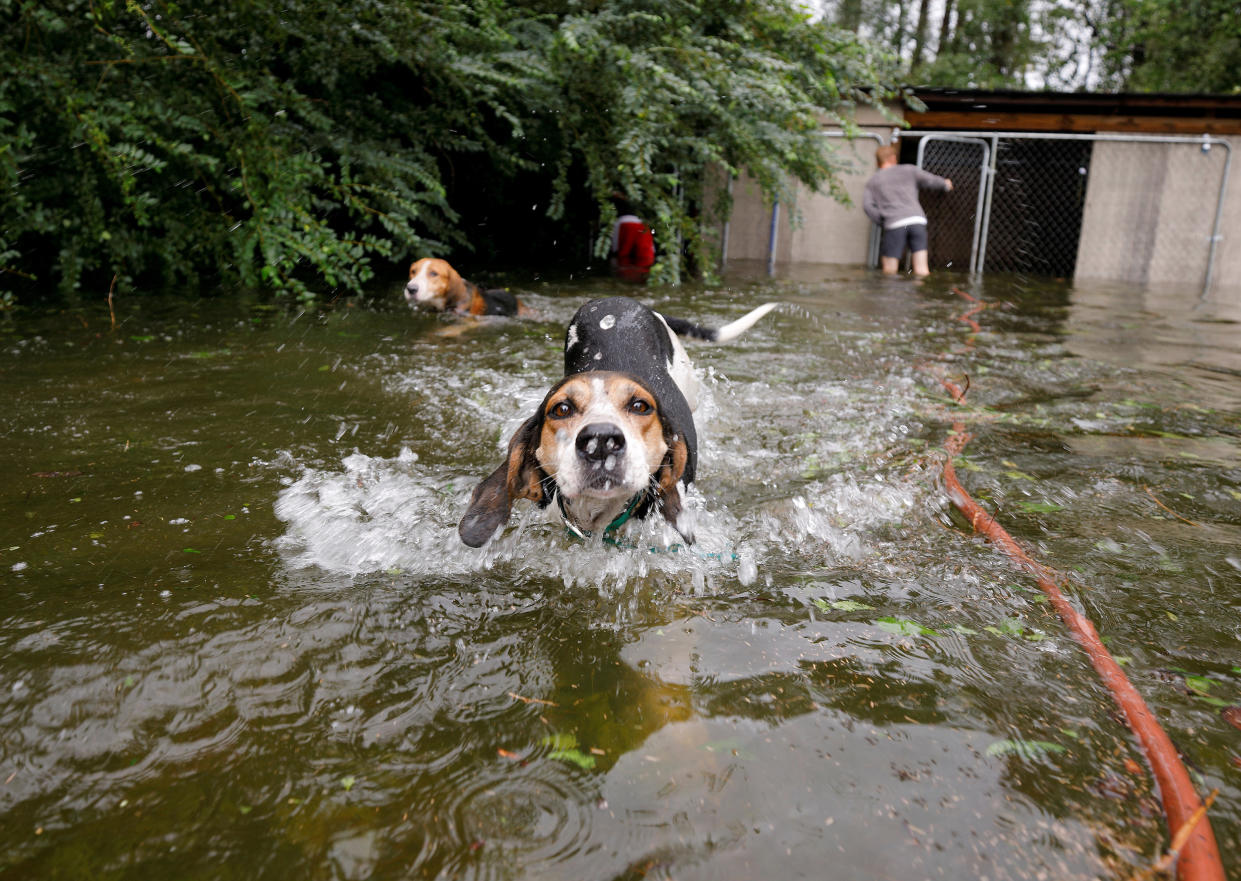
{"type": "Point", "coordinates": [640, 407]}
{"type": "Point", "coordinates": [433, 274]}
{"type": "Point", "coordinates": [561, 411]}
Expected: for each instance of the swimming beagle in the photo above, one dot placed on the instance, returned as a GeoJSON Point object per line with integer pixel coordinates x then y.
{"type": "Point", "coordinates": [435, 285]}
{"type": "Point", "coordinates": [614, 438]}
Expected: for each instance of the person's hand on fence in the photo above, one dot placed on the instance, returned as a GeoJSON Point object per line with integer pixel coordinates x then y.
{"type": "Point", "coordinates": [947, 185]}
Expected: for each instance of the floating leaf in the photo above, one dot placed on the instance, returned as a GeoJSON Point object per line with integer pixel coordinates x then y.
{"type": "Point", "coordinates": [1007, 627]}
{"type": "Point", "coordinates": [1040, 507]}
{"type": "Point", "coordinates": [849, 606]}
{"type": "Point", "coordinates": [583, 761]}
{"type": "Point", "coordinates": [905, 627]}
{"type": "Point", "coordinates": [347, 783]}
{"type": "Point", "coordinates": [1027, 749]}
{"type": "Point", "coordinates": [1200, 684]}
{"type": "Point", "coordinates": [564, 748]}
{"type": "Point", "coordinates": [560, 740]}
{"type": "Point", "coordinates": [1213, 701]}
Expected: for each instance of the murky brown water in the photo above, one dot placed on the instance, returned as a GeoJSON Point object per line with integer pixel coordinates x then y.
{"type": "Point", "coordinates": [240, 638]}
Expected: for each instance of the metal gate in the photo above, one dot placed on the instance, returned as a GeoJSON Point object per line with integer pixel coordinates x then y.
{"type": "Point", "coordinates": [1022, 202]}
{"type": "Point", "coordinates": [964, 161]}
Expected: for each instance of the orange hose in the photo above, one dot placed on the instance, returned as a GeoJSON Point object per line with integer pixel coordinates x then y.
{"type": "Point", "coordinates": [1199, 857]}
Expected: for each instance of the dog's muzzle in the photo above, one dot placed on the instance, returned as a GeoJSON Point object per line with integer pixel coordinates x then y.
{"type": "Point", "coordinates": [600, 445]}
{"type": "Point", "coordinates": [601, 451]}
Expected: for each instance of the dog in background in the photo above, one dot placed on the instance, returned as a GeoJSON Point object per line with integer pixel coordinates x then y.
{"type": "Point", "coordinates": [436, 286]}
{"type": "Point", "coordinates": [612, 439]}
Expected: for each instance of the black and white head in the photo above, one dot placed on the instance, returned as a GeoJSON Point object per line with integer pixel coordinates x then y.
{"type": "Point", "coordinates": [599, 445]}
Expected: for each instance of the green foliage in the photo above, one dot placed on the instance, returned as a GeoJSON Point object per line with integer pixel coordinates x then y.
{"type": "Point", "coordinates": [993, 44]}
{"type": "Point", "coordinates": [1161, 46]}
{"type": "Point", "coordinates": [164, 141]}
{"type": "Point", "coordinates": [1102, 45]}
{"type": "Point", "coordinates": [292, 145]}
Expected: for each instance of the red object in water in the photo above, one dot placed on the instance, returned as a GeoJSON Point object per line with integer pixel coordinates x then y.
{"type": "Point", "coordinates": [633, 247]}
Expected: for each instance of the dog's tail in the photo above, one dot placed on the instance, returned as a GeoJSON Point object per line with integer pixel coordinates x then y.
{"type": "Point", "coordinates": [729, 331]}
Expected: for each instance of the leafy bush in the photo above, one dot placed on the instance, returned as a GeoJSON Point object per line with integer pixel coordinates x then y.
{"type": "Point", "coordinates": [292, 145]}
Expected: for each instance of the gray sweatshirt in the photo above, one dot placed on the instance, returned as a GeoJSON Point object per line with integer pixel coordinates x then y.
{"type": "Point", "coordinates": [892, 193]}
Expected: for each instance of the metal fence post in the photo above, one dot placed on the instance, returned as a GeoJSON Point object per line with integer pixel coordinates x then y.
{"type": "Point", "coordinates": [1219, 210]}
{"type": "Point", "coordinates": [772, 237]}
{"type": "Point", "coordinates": [989, 187]}
{"type": "Point", "coordinates": [727, 224]}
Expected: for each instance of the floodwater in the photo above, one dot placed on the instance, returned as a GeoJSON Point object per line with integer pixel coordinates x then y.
{"type": "Point", "coordinates": [241, 638]}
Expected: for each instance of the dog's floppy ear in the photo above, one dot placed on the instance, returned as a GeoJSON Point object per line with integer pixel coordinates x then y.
{"type": "Point", "coordinates": [669, 475]}
{"type": "Point", "coordinates": [518, 477]}
{"type": "Point", "coordinates": [456, 291]}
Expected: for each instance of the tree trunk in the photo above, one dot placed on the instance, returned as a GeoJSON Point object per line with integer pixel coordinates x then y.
{"type": "Point", "coordinates": [945, 29]}
{"type": "Point", "coordinates": [919, 36]}
{"type": "Point", "coordinates": [849, 16]}
{"type": "Point", "coordinates": [898, 43]}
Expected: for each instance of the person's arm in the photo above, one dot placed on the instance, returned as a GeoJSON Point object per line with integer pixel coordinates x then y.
{"type": "Point", "coordinates": [928, 181]}
{"type": "Point", "coordinates": [870, 204]}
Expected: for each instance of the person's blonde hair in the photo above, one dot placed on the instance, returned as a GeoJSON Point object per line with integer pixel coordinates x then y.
{"type": "Point", "coordinates": [886, 153]}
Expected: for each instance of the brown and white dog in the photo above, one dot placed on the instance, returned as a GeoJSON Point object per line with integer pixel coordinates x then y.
{"type": "Point", "coordinates": [614, 438]}
{"type": "Point", "coordinates": [435, 285]}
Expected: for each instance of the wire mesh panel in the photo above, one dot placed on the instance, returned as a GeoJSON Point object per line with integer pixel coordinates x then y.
{"type": "Point", "coordinates": [1038, 193]}
{"type": "Point", "coordinates": [953, 219]}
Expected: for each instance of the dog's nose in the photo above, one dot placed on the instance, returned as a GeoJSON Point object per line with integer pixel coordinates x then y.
{"type": "Point", "coordinates": [596, 442]}
{"type": "Point", "coordinates": [411, 290]}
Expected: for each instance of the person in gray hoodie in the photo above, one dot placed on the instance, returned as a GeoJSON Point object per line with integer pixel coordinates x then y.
{"type": "Point", "coordinates": [891, 200]}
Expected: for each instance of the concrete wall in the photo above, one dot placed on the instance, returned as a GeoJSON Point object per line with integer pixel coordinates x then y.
{"type": "Point", "coordinates": [814, 228]}
{"type": "Point", "coordinates": [818, 229]}
{"type": "Point", "coordinates": [1149, 213]}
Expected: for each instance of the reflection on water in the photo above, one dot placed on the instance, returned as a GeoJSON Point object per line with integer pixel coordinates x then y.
{"type": "Point", "coordinates": [243, 639]}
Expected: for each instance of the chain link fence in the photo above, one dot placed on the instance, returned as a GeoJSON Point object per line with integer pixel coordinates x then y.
{"type": "Point", "coordinates": [1135, 208]}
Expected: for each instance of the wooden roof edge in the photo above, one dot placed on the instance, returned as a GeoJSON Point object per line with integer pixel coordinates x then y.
{"type": "Point", "coordinates": [1104, 103]}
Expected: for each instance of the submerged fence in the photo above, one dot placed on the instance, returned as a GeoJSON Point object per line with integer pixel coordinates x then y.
{"type": "Point", "coordinates": [1145, 209]}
